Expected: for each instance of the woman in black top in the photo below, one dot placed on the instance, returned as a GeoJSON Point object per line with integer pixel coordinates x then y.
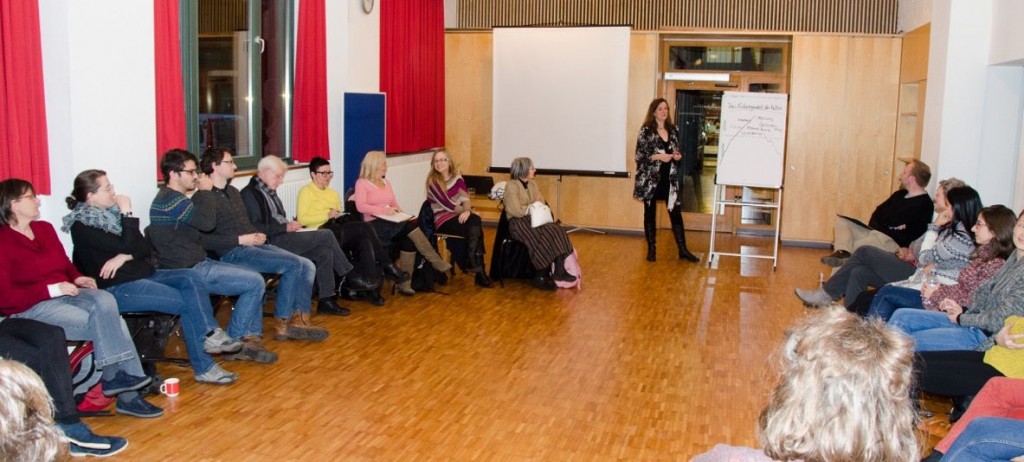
{"type": "Point", "coordinates": [658, 161]}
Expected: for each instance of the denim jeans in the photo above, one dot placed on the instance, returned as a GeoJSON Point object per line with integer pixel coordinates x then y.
{"type": "Point", "coordinates": [227, 279]}
{"type": "Point", "coordinates": [933, 331]}
{"type": "Point", "coordinates": [91, 315]}
{"type": "Point", "coordinates": [295, 292]}
{"type": "Point", "coordinates": [888, 299]}
{"type": "Point", "coordinates": [988, 438]}
{"type": "Point", "coordinates": [174, 291]}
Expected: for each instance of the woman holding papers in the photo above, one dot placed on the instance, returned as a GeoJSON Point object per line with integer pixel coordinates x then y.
{"type": "Point", "coordinates": [375, 199]}
{"type": "Point", "coordinates": [658, 162]}
{"type": "Point", "coordinates": [453, 213]}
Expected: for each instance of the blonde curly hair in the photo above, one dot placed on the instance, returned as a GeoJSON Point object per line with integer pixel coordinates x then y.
{"type": "Point", "coordinates": [27, 430]}
{"type": "Point", "coordinates": [843, 393]}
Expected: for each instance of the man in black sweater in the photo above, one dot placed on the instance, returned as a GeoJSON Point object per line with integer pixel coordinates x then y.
{"type": "Point", "coordinates": [235, 240]}
{"type": "Point", "coordinates": [895, 223]}
{"type": "Point", "coordinates": [267, 214]}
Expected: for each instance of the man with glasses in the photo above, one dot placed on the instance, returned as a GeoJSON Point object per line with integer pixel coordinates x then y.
{"type": "Point", "coordinates": [320, 207]}
{"type": "Point", "coordinates": [266, 212]}
{"type": "Point", "coordinates": [177, 224]}
{"type": "Point", "coordinates": [235, 240]}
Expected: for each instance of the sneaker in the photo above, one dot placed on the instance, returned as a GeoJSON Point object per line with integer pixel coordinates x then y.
{"type": "Point", "coordinates": [253, 350]}
{"type": "Point", "coordinates": [836, 259]}
{"type": "Point", "coordinates": [220, 342]}
{"type": "Point", "coordinates": [123, 382]}
{"type": "Point", "coordinates": [116, 445]}
{"type": "Point", "coordinates": [814, 298]}
{"type": "Point", "coordinates": [217, 376]}
{"type": "Point", "coordinates": [138, 407]}
{"type": "Point", "coordinates": [80, 434]}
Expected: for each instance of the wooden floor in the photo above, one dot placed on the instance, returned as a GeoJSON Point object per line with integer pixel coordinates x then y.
{"type": "Point", "coordinates": [649, 361]}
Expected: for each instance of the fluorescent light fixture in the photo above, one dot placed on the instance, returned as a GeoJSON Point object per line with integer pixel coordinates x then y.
{"type": "Point", "coordinates": [697, 76]}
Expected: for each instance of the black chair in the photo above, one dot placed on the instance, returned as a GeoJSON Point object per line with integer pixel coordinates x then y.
{"type": "Point", "coordinates": [510, 259]}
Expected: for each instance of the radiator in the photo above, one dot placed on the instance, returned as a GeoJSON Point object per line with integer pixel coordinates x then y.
{"type": "Point", "coordinates": [408, 177]}
{"type": "Point", "coordinates": [289, 194]}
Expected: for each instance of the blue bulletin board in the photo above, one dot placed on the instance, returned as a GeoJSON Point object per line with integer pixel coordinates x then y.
{"type": "Point", "coordinates": [364, 131]}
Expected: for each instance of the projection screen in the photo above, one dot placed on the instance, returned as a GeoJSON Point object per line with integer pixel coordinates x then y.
{"type": "Point", "coordinates": [559, 97]}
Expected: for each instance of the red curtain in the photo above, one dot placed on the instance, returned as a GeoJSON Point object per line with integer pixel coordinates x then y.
{"type": "Point", "coordinates": [170, 85]}
{"type": "Point", "coordinates": [309, 107]}
{"type": "Point", "coordinates": [412, 73]}
{"type": "Point", "coordinates": [24, 150]}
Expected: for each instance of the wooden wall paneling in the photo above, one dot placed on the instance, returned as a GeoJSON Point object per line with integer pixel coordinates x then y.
{"type": "Point", "coordinates": [914, 61]}
{"type": "Point", "coordinates": [869, 125]}
{"type": "Point", "coordinates": [468, 82]}
{"type": "Point", "coordinates": [814, 137]}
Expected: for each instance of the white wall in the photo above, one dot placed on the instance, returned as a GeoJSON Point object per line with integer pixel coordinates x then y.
{"type": "Point", "coordinates": [99, 79]}
{"type": "Point", "coordinates": [972, 110]}
{"type": "Point", "coordinates": [911, 14]}
{"type": "Point", "coordinates": [1007, 33]}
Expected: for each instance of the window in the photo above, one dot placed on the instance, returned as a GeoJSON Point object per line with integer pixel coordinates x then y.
{"type": "Point", "coordinates": [238, 69]}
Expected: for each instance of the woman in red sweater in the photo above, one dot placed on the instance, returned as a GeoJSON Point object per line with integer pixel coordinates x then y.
{"type": "Point", "coordinates": [39, 282]}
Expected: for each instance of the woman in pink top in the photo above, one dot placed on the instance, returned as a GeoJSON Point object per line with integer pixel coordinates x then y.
{"type": "Point", "coordinates": [374, 198]}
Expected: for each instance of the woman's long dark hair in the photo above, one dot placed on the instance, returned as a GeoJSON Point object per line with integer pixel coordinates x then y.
{"type": "Point", "coordinates": [966, 205]}
{"type": "Point", "coordinates": [652, 124]}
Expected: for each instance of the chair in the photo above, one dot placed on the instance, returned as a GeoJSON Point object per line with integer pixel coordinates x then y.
{"type": "Point", "coordinates": [509, 258]}
{"type": "Point", "coordinates": [440, 240]}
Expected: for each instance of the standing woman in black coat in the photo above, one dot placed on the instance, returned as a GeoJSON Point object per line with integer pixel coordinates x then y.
{"type": "Point", "coordinates": [658, 161]}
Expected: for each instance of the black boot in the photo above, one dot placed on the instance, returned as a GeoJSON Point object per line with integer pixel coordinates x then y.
{"type": "Point", "coordinates": [475, 255]}
{"type": "Point", "coordinates": [560, 274]}
{"type": "Point", "coordinates": [684, 253]}
{"type": "Point", "coordinates": [651, 233]}
{"type": "Point", "coordinates": [393, 273]}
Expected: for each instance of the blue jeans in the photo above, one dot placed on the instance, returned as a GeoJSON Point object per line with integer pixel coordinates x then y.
{"type": "Point", "coordinates": [227, 279]}
{"type": "Point", "coordinates": [91, 315]}
{"type": "Point", "coordinates": [888, 299]}
{"type": "Point", "coordinates": [988, 438]}
{"type": "Point", "coordinates": [174, 291]}
{"type": "Point", "coordinates": [295, 292]}
{"type": "Point", "coordinates": [933, 331]}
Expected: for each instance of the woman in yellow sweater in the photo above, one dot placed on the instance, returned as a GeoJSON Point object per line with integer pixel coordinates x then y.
{"type": "Point", "coordinates": [320, 206]}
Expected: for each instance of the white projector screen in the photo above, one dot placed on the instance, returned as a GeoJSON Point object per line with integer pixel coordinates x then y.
{"type": "Point", "coordinates": [560, 98]}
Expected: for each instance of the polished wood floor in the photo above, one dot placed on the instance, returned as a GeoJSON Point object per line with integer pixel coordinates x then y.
{"type": "Point", "coordinates": [649, 361]}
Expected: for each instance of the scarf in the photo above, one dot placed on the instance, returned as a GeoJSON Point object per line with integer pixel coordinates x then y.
{"type": "Point", "coordinates": [108, 220]}
{"type": "Point", "coordinates": [274, 202]}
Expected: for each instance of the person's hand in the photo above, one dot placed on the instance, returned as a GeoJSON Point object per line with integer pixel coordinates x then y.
{"type": "Point", "coordinates": [252, 239]}
{"type": "Point", "coordinates": [662, 157]}
{"type": "Point", "coordinates": [111, 266]}
{"type": "Point", "coordinates": [677, 155]}
{"type": "Point", "coordinates": [1012, 341]}
{"type": "Point", "coordinates": [951, 308]}
{"type": "Point", "coordinates": [293, 226]}
{"type": "Point", "coordinates": [464, 216]}
{"type": "Point", "coordinates": [944, 217]}
{"type": "Point", "coordinates": [927, 290]}
{"type": "Point", "coordinates": [67, 288]}
{"type": "Point", "coordinates": [905, 254]}
{"type": "Point", "coordinates": [205, 182]}
{"type": "Point", "coordinates": [333, 213]}
{"type": "Point", "coordinates": [85, 281]}
{"type": "Point", "coordinates": [124, 203]}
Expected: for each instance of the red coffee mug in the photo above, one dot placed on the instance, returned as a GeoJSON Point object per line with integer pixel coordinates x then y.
{"type": "Point", "coordinates": [171, 387]}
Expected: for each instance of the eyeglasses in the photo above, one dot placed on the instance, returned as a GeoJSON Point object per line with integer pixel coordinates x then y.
{"type": "Point", "coordinates": [981, 224]}
{"type": "Point", "coordinates": [189, 171]}
{"type": "Point", "coordinates": [226, 161]}
{"type": "Point", "coordinates": [327, 173]}
{"type": "Point", "coordinates": [27, 196]}
{"type": "Point", "coordinates": [440, 160]}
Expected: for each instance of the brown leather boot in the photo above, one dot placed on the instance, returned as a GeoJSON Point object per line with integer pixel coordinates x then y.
{"type": "Point", "coordinates": [298, 328]}
{"type": "Point", "coordinates": [428, 252]}
{"type": "Point", "coordinates": [406, 261]}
